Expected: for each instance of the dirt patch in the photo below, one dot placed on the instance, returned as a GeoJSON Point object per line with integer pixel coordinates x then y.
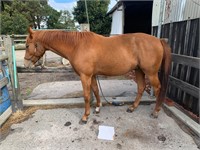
{"type": "Point", "coordinates": [17, 117]}
{"type": "Point", "coordinates": [22, 115]}
{"type": "Point", "coordinates": [29, 81]}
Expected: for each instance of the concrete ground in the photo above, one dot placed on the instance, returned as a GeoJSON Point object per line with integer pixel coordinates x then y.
{"type": "Point", "coordinates": [59, 129]}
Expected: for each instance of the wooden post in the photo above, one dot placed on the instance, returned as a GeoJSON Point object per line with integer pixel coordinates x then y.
{"type": "Point", "coordinates": [17, 102]}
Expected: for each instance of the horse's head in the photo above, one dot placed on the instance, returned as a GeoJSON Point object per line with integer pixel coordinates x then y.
{"type": "Point", "coordinates": [34, 49]}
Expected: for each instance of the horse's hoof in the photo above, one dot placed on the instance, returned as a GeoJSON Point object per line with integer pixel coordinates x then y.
{"type": "Point", "coordinates": [82, 122]}
{"type": "Point", "coordinates": [154, 115]}
{"type": "Point", "coordinates": [130, 110]}
{"type": "Point", "coordinates": [97, 110]}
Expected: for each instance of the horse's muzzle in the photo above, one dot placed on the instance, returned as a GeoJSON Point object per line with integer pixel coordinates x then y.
{"type": "Point", "coordinates": [28, 64]}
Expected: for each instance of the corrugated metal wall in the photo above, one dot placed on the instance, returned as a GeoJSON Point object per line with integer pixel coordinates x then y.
{"type": "Point", "coordinates": [176, 10]}
{"type": "Point", "coordinates": [192, 9]}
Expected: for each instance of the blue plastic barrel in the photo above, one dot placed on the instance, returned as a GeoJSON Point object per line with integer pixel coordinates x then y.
{"type": "Point", "coordinates": [5, 102]}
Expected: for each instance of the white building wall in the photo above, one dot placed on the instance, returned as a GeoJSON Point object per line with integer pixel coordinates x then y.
{"type": "Point", "coordinates": [117, 21]}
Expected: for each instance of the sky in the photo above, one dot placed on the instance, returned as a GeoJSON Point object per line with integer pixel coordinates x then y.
{"type": "Point", "coordinates": [69, 4]}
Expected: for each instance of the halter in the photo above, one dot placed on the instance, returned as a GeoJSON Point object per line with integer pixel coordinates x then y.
{"type": "Point", "coordinates": [29, 59]}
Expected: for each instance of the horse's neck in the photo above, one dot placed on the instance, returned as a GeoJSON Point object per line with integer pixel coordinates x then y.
{"type": "Point", "coordinates": [60, 48]}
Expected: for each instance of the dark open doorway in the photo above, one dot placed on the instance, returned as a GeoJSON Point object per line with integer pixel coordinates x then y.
{"type": "Point", "coordinates": [137, 16]}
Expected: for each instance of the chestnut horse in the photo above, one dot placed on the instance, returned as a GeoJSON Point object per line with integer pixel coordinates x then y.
{"type": "Point", "coordinates": [91, 54]}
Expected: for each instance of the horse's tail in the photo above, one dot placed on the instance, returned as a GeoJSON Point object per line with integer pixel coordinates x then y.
{"type": "Point", "coordinates": [165, 69]}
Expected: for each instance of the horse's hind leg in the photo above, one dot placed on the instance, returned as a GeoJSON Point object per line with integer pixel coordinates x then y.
{"type": "Point", "coordinates": [141, 86]}
{"type": "Point", "coordinates": [154, 81]}
{"type": "Point", "coordinates": [96, 93]}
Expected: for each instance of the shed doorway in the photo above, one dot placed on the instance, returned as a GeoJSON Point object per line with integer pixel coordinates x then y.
{"type": "Point", "coordinates": [131, 17]}
{"type": "Point", "coordinates": [138, 16]}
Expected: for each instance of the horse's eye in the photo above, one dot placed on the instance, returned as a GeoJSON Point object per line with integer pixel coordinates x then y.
{"type": "Point", "coordinates": [27, 46]}
{"type": "Point", "coordinates": [36, 45]}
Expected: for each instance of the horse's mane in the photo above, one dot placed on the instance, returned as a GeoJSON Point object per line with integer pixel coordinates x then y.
{"type": "Point", "coordinates": [55, 35]}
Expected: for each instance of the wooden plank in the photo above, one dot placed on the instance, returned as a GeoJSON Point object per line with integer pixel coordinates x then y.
{"type": "Point", "coordinates": [20, 40]}
{"type": "Point", "coordinates": [3, 82]}
{"type": "Point", "coordinates": [174, 47]}
{"type": "Point", "coordinates": [18, 36]}
{"type": "Point", "coordinates": [198, 48]}
{"type": "Point", "coordinates": [193, 35]}
{"type": "Point", "coordinates": [8, 50]}
{"type": "Point", "coordinates": [5, 115]}
{"type": "Point", "coordinates": [184, 69]}
{"type": "Point", "coordinates": [170, 33]}
{"type": "Point", "coordinates": [185, 119]}
{"type": "Point", "coordinates": [44, 70]}
{"type": "Point", "coordinates": [172, 64]}
{"type": "Point", "coordinates": [177, 45]}
{"type": "Point", "coordinates": [186, 60]}
{"type": "Point", "coordinates": [186, 40]}
{"type": "Point", "coordinates": [77, 101]}
{"type": "Point", "coordinates": [188, 88]}
{"type": "Point", "coordinates": [3, 57]}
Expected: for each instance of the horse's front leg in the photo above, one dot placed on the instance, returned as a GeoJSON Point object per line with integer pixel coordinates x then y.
{"type": "Point", "coordinates": [95, 89]}
{"type": "Point", "coordinates": [86, 83]}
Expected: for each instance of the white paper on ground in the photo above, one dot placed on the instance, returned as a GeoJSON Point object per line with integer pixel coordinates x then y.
{"type": "Point", "coordinates": [106, 133]}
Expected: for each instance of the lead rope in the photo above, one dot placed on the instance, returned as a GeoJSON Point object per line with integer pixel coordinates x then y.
{"type": "Point", "coordinates": [113, 102]}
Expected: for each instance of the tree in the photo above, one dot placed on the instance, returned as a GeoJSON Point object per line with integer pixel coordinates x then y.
{"type": "Point", "coordinates": [17, 15]}
{"type": "Point", "coordinates": [12, 21]}
{"type": "Point", "coordinates": [97, 9]}
{"type": "Point", "coordinates": [52, 21]}
{"type": "Point", "coordinates": [37, 11]}
{"type": "Point", "coordinates": [67, 20]}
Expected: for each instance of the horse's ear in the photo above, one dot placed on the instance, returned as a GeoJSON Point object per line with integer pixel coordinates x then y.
{"type": "Point", "coordinates": [30, 31]}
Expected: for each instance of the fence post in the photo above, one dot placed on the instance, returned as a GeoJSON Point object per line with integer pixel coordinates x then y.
{"type": "Point", "coordinates": [9, 49]}
{"type": "Point", "coordinates": [162, 4]}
